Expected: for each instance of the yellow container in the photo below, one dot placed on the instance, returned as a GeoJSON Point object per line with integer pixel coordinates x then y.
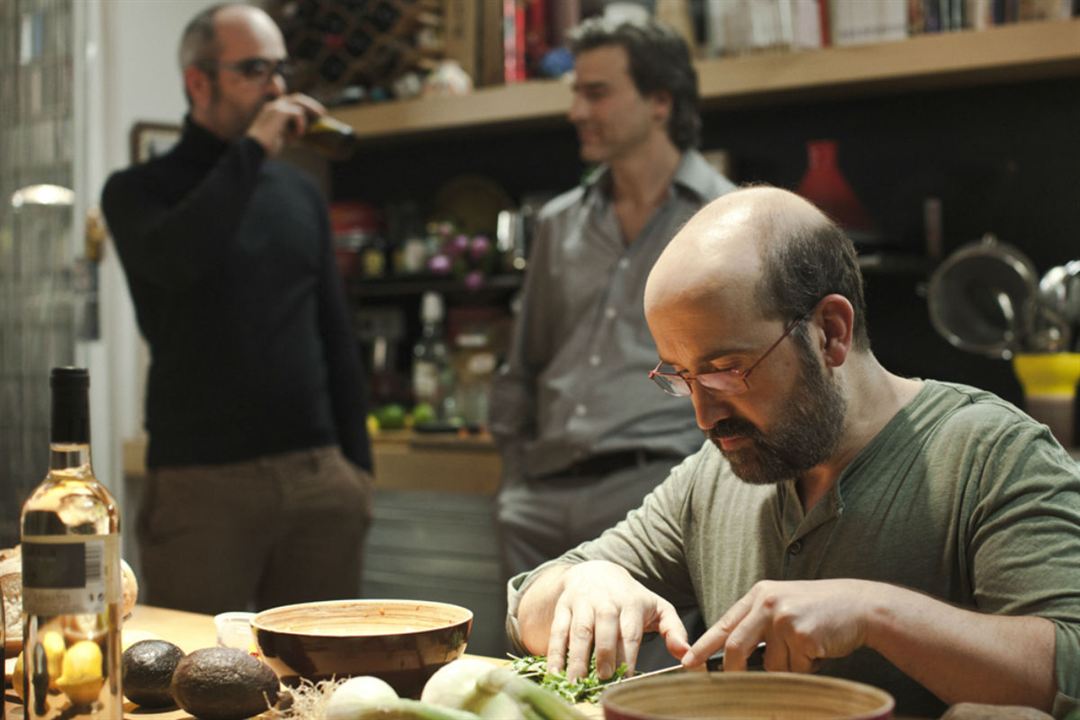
{"type": "Point", "coordinates": [1053, 374]}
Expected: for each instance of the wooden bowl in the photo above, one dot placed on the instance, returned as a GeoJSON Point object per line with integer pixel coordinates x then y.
{"type": "Point", "coordinates": [401, 641]}
{"type": "Point", "coordinates": [746, 696]}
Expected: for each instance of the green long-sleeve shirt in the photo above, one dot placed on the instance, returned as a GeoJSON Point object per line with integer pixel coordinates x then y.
{"type": "Point", "coordinates": [961, 496]}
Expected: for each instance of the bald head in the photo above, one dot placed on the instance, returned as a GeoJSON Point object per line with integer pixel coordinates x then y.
{"type": "Point", "coordinates": [200, 41]}
{"type": "Point", "coordinates": [234, 20]}
{"type": "Point", "coordinates": [760, 252]}
{"type": "Point", "coordinates": [218, 27]}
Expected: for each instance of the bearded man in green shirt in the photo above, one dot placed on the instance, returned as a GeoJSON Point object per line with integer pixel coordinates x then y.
{"type": "Point", "coordinates": [920, 536]}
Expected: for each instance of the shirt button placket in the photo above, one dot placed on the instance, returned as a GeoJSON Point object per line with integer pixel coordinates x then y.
{"type": "Point", "coordinates": [791, 560]}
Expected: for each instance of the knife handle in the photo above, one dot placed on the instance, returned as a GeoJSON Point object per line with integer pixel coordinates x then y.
{"type": "Point", "coordinates": [756, 660]}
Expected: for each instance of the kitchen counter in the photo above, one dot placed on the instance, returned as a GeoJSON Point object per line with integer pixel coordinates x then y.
{"type": "Point", "coordinates": [438, 462]}
{"type": "Point", "coordinates": [433, 535]}
{"type": "Point", "coordinates": [404, 460]}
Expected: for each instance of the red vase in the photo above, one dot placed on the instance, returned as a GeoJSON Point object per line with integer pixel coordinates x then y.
{"type": "Point", "coordinates": [825, 186]}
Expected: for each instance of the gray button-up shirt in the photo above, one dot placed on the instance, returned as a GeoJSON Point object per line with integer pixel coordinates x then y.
{"type": "Point", "coordinates": [574, 384]}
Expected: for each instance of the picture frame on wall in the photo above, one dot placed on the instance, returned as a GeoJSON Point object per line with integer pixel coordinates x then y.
{"type": "Point", "coordinates": [149, 140]}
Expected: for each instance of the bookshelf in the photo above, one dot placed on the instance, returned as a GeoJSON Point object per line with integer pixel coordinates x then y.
{"type": "Point", "coordinates": [1022, 51]}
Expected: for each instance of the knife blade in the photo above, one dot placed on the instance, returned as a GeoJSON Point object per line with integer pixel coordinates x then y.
{"type": "Point", "coordinates": [715, 663]}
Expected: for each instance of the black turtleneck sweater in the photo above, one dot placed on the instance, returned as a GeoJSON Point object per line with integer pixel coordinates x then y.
{"type": "Point", "coordinates": [230, 263]}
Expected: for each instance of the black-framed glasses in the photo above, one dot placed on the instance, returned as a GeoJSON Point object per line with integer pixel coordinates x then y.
{"type": "Point", "coordinates": [254, 69]}
{"type": "Point", "coordinates": [723, 382]}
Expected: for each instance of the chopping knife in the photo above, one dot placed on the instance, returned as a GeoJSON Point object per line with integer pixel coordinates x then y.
{"type": "Point", "coordinates": [715, 663]}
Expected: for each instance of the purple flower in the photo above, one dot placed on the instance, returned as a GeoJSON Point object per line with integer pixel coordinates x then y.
{"type": "Point", "coordinates": [439, 264]}
{"type": "Point", "coordinates": [474, 280]}
{"type": "Point", "coordinates": [456, 246]}
{"type": "Point", "coordinates": [479, 247]}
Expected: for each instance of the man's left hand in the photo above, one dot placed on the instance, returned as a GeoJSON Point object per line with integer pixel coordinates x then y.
{"type": "Point", "coordinates": [801, 622]}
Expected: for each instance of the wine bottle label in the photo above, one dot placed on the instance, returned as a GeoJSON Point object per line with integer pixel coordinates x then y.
{"type": "Point", "coordinates": [70, 574]}
{"type": "Point", "coordinates": [425, 380]}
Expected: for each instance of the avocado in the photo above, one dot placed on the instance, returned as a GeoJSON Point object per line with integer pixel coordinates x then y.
{"type": "Point", "coordinates": [222, 683]}
{"type": "Point", "coordinates": [147, 670]}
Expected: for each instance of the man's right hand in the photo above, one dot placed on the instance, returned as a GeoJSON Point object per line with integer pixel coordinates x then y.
{"type": "Point", "coordinates": [597, 607]}
{"type": "Point", "coordinates": [283, 119]}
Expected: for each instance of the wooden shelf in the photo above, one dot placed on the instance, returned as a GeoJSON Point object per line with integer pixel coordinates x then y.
{"type": "Point", "coordinates": [402, 286]}
{"type": "Point", "coordinates": [1023, 51]}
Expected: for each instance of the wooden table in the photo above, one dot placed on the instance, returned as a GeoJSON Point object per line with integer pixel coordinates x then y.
{"type": "Point", "coordinates": [190, 631]}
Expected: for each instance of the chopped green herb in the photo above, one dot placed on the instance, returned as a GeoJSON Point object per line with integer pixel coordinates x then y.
{"type": "Point", "coordinates": [586, 689]}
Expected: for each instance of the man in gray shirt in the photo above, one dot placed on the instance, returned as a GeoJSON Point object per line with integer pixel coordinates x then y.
{"type": "Point", "coordinates": [917, 535]}
{"type": "Point", "coordinates": [582, 443]}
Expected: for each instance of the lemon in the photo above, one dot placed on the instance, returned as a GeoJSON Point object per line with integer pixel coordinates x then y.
{"type": "Point", "coordinates": [82, 680]}
{"type": "Point", "coordinates": [372, 425]}
{"type": "Point", "coordinates": [17, 677]}
{"type": "Point", "coordinates": [53, 642]}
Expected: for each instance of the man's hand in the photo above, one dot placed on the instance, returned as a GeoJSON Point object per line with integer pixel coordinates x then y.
{"type": "Point", "coordinates": [602, 609]}
{"type": "Point", "coordinates": [801, 622]}
{"type": "Point", "coordinates": [282, 120]}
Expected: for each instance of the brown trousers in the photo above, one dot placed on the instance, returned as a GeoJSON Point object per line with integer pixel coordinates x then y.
{"type": "Point", "coordinates": [272, 531]}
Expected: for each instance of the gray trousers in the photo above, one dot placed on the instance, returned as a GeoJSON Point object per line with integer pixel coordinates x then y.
{"type": "Point", "coordinates": [539, 520]}
{"type": "Point", "coordinates": [272, 531]}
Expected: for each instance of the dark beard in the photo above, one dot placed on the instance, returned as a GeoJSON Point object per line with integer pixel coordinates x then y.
{"type": "Point", "coordinates": [806, 435]}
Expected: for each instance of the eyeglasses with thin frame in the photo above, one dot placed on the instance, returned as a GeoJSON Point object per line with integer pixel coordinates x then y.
{"type": "Point", "coordinates": [731, 381]}
{"type": "Point", "coordinates": [254, 69]}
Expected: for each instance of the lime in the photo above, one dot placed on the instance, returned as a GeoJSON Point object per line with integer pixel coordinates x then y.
{"type": "Point", "coordinates": [391, 417]}
{"type": "Point", "coordinates": [423, 413]}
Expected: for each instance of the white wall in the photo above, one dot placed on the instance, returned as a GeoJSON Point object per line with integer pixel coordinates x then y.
{"type": "Point", "coordinates": [131, 75]}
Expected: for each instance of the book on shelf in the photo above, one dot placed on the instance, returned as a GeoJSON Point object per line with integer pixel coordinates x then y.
{"type": "Point", "coordinates": [491, 42]}
{"type": "Point", "coordinates": [461, 35]}
{"type": "Point", "coordinates": [1034, 10]}
{"type": "Point", "coordinates": [930, 16]}
{"type": "Point", "coordinates": [536, 34]}
{"type": "Point", "coordinates": [856, 22]}
{"type": "Point", "coordinates": [565, 14]}
{"type": "Point", "coordinates": [737, 27]}
{"type": "Point", "coordinates": [677, 14]}
{"type": "Point", "coordinates": [513, 40]}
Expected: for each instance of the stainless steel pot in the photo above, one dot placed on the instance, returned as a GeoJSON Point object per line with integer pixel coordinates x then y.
{"type": "Point", "coordinates": [982, 298]}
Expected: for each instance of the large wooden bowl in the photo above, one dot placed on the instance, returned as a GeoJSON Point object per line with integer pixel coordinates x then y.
{"type": "Point", "coordinates": [746, 696]}
{"type": "Point", "coordinates": [401, 641]}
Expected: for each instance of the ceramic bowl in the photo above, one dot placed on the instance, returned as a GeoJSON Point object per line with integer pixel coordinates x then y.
{"type": "Point", "coordinates": [401, 641]}
{"type": "Point", "coordinates": [746, 696]}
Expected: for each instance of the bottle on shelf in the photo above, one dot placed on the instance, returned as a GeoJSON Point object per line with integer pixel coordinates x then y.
{"type": "Point", "coordinates": [475, 363]}
{"type": "Point", "coordinates": [3, 656]}
{"type": "Point", "coordinates": [825, 185]}
{"type": "Point", "coordinates": [433, 375]}
{"type": "Point", "coordinates": [70, 534]}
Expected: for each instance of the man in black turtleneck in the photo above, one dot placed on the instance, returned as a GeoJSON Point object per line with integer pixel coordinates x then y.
{"type": "Point", "coordinates": [259, 492]}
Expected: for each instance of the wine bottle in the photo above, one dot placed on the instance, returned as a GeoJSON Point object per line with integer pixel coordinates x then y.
{"type": "Point", "coordinates": [70, 528]}
{"type": "Point", "coordinates": [432, 373]}
{"type": "Point", "coordinates": [331, 138]}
